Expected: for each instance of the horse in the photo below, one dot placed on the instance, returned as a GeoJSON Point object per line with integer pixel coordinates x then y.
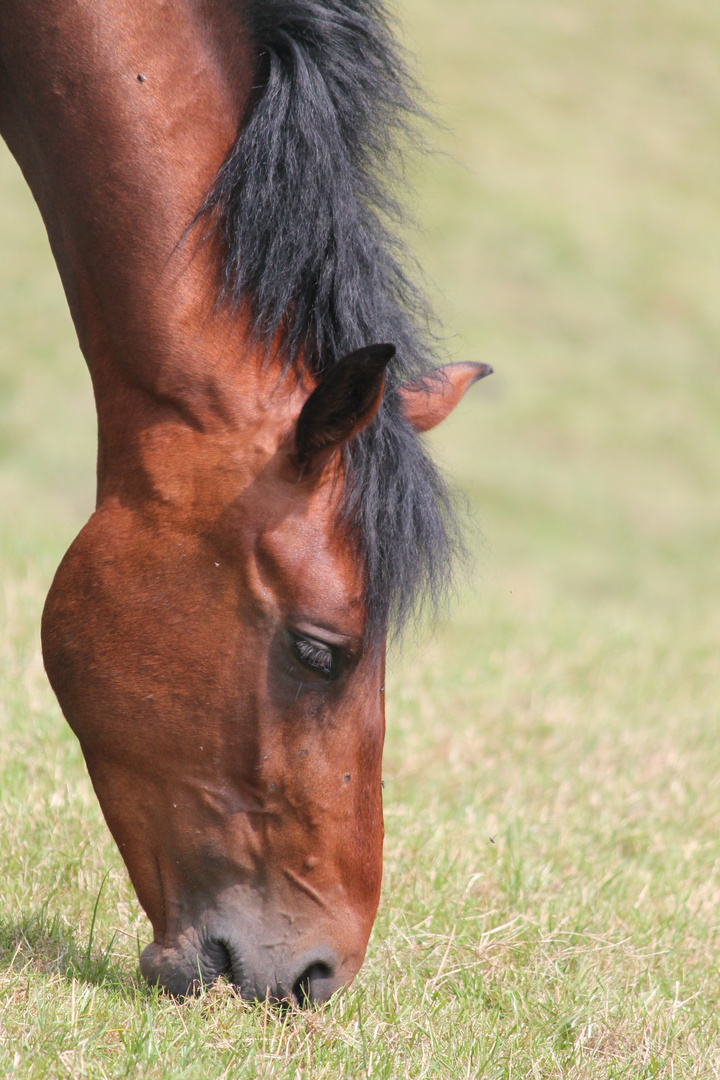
{"type": "Point", "coordinates": [219, 183]}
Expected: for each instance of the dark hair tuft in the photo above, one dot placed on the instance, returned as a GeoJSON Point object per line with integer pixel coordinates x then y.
{"type": "Point", "coordinates": [307, 204]}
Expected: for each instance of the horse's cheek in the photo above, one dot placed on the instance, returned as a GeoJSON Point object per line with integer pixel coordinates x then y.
{"type": "Point", "coordinates": [97, 640]}
{"type": "Point", "coordinates": [70, 638]}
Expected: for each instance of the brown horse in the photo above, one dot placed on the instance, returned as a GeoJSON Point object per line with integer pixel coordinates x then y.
{"type": "Point", "coordinates": [216, 181]}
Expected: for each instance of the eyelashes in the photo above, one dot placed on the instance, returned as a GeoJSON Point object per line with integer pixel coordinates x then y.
{"type": "Point", "coordinates": [314, 655]}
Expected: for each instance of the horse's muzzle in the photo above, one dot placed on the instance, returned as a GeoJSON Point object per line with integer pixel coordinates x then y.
{"type": "Point", "coordinates": [309, 977]}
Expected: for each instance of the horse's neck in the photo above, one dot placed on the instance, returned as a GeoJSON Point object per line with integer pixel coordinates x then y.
{"type": "Point", "coordinates": [120, 112]}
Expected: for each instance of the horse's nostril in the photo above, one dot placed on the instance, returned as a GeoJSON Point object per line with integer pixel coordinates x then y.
{"type": "Point", "coordinates": [313, 986]}
{"type": "Point", "coordinates": [216, 962]}
{"type": "Point", "coordinates": [224, 961]}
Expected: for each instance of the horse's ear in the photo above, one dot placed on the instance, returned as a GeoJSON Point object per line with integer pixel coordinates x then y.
{"type": "Point", "coordinates": [427, 401]}
{"type": "Point", "coordinates": [342, 404]}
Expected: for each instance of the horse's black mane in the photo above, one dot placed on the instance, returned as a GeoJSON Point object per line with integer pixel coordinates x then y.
{"type": "Point", "coordinates": [306, 201]}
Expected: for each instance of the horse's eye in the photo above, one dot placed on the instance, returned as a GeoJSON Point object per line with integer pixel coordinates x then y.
{"type": "Point", "coordinates": [314, 655]}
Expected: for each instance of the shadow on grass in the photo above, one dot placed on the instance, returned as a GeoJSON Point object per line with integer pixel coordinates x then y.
{"type": "Point", "coordinates": [39, 942]}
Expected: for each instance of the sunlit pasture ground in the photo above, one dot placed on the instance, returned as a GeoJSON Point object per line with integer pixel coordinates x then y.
{"type": "Point", "coordinates": [551, 897]}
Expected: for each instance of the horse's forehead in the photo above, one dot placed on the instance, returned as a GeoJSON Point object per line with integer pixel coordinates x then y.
{"type": "Point", "coordinates": [308, 558]}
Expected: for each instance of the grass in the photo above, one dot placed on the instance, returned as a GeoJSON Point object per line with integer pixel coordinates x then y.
{"type": "Point", "coordinates": [551, 903]}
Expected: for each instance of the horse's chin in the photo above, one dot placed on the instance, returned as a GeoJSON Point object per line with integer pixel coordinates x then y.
{"type": "Point", "coordinates": [184, 968]}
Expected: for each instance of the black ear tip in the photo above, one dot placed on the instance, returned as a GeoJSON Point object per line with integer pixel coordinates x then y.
{"type": "Point", "coordinates": [375, 357]}
{"type": "Point", "coordinates": [383, 352]}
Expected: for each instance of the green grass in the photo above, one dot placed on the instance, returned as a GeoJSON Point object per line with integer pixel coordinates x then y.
{"type": "Point", "coordinates": [569, 710]}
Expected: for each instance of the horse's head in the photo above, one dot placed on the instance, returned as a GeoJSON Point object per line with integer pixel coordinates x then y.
{"type": "Point", "coordinates": [207, 636]}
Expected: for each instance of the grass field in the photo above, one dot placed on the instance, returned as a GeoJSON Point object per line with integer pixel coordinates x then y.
{"type": "Point", "coordinates": [551, 902]}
